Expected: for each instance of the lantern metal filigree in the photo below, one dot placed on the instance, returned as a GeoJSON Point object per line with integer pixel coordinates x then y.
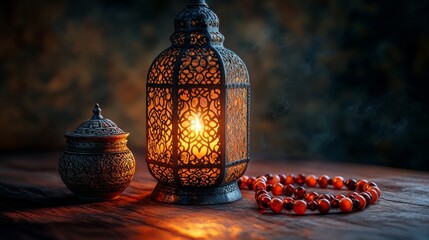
{"type": "Point", "coordinates": [198, 100]}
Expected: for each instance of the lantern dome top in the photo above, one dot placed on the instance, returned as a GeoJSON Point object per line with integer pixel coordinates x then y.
{"type": "Point", "coordinates": [197, 54]}
{"type": "Point", "coordinates": [196, 15]}
{"type": "Point", "coordinates": [196, 18]}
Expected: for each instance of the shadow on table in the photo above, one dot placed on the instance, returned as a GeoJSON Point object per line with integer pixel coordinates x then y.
{"type": "Point", "coordinates": [18, 198]}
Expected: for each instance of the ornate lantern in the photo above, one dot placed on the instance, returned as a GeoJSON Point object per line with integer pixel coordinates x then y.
{"type": "Point", "coordinates": [198, 99]}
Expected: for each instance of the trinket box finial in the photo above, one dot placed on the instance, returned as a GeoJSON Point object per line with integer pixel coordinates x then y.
{"type": "Point", "coordinates": [97, 112]}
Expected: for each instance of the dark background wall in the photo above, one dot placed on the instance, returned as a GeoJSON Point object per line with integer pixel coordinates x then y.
{"type": "Point", "coordinates": [331, 80]}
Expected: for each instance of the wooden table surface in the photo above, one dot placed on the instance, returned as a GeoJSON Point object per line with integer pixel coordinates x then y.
{"type": "Point", "coordinates": [35, 204]}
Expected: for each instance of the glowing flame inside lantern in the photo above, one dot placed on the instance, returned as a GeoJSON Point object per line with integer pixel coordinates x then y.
{"type": "Point", "coordinates": [196, 137]}
{"type": "Point", "coordinates": [197, 126]}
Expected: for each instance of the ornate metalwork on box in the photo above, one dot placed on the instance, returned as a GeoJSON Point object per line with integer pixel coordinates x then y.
{"type": "Point", "coordinates": [198, 99]}
{"type": "Point", "coordinates": [96, 163]}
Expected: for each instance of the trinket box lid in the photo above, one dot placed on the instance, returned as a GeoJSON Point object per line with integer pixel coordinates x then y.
{"type": "Point", "coordinates": [97, 126]}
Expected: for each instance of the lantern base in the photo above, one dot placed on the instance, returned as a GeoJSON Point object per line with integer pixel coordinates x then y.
{"type": "Point", "coordinates": [196, 195]}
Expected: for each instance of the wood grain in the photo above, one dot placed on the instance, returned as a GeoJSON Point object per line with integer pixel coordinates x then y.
{"type": "Point", "coordinates": [35, 204]}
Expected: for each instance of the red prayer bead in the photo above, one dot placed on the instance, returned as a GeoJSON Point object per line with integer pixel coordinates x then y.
{"type": "Point", "coordinates": [312, 206]}
{"type": "Point", "coordinates": [263, 195]}
{"type": "Point", "coordinates": [355, 203]}
{"type": "Point", "coordinates": [259, 184]}
{"type": "Point", "coordinates": [351, 195]}
{"type": "Point", "coordinates": [288, 203]}
{"type": "Point", "coordinates": [290, 179]}
{"type": "Point", "coordinates": [250, 181]}
{"type": "Point", "coordinates": [244, 179]}
{"type": "Point", "coordinates": [335, 203]}
{"type": "Point", "coordinates": [362, 201]}
{"type": "Point", "coordinates": [346, 205]}
{"type": "Point", "coordinates": [323, 181]}
{"type": "Point", "coordinates": [374, 195]}
{"type": "Point", "coordinates": [299, 193]}
{"type": "Point", "coordinates": [338, 182]}
{"type": "Point", "coordinates": [269, 175]}
{"type": "Point", "coordinates": [366, 186]}
{"type": "Point", "coordinates": [361, 184]}
{"type": "Point", "coordinates": [351, 184]}
{"type": "Point", "coordinates": [311, 180]}
{"type": "Point", "coordinates": [260, 192]}
{"type": "Point", "coordinates": [276, 205]}
{"type": "Point", "coordinates": [263, 178]}
{"type": "Point", "coordinates": [340, 196]}
{"type": "Point", "coordinates": [282, 178]}
{"type": "Point", "coordinates": [288, 190]}
{"type": "Point", "coordinates": [311, 196]}
{"type": "Point", "coordinates": [372, 184]}
{"type": "Point", "coordinates": [299, 207]}
{"type": "Point", "coordinates": [377, 190]}
{"type": "Point", "coordinates": [300, 179]}
{"type": "Point", "coordinates": [277, 189]}
{"type": "Point", "coordinates": [325, 196]}
{"type": "Point", "coordinates": [263, 201]}
{"type": "Point", "coordinates": [323, 206]}
{"type": "Point", "coordinates": [273, 180]}
{"type": "Point", "coordinates": [367, 196]}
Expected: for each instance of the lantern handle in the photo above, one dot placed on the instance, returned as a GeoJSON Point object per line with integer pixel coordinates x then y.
{"type": "Point", "coordinates": [192, 3]}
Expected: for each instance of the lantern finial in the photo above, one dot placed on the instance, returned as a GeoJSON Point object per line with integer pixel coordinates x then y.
{"type": "Point", "coordinates": [197, 3]}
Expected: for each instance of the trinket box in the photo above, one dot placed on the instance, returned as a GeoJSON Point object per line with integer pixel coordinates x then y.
{"type": "Point", "coordinates": [96, 163]}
